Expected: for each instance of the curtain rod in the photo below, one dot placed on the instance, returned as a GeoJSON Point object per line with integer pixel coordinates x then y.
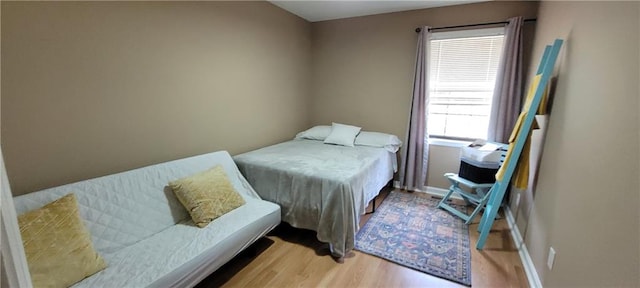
{"type": "Point", "coordinates": [472, 25]}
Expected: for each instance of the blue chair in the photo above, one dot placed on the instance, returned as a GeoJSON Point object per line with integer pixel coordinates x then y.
{"type": "Point", "coordinates": [477, 193]}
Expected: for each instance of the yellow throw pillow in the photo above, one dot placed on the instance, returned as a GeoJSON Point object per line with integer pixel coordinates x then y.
{"type": "Point", "coordinates": [207, 195]}
{"type": "Point", "coordinates": [57, 245]}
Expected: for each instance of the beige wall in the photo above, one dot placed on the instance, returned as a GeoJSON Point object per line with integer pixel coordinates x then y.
{"type": "Point", "coordinates": [521, 201]}
{"type": "Point", "coordinates": [363, 67]}
{"type": "Point", "coordinates": [586, 202]}
{"type": "Point", "coordinates": [442, 159]}
{"type": "Point", "coordinates": [92, 88]}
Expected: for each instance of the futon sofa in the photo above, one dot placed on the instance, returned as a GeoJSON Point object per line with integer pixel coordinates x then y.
{"type": "Point", "coordinates": [147, 237]}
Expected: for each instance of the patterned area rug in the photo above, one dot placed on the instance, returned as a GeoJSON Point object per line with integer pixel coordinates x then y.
{"type": "Point", "coordinates": [409, 230]}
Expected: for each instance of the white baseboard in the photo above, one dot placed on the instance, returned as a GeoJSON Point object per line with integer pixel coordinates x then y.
{"type": "Point", "coordinates": [439, 192]}
{"type": "Point", "coordinates": [436, 191]}
{"type": "Point", "coordinates": [433, 191]}
{"type": "Point", "coordinates": [527, 263]}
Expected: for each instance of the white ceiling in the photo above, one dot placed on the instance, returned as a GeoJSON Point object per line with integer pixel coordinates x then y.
{"type": "Point", "coordinates": [313, 10]}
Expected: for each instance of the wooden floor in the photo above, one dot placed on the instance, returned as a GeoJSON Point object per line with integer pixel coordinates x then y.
{"type": "Point", "coordinates": [290, 257]}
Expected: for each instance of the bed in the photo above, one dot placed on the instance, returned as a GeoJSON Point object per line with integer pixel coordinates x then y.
{"type": "Point", "coordinates": [319, 186]}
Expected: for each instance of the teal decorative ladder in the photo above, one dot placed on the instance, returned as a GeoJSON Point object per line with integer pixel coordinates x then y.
{"type": "Point", "coordinates": [545, 69]}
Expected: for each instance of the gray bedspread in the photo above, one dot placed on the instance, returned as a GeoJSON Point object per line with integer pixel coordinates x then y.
{"type": "Point", "coordinates": [319, 186]}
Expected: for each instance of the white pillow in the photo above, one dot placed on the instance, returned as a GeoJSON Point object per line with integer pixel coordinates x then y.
{"type": "Point", "coordinates": [376, 139]}
{"type": "Point", "coordinates": [319, 132]}
{"type": "Point", "coordinates": [342, 134]}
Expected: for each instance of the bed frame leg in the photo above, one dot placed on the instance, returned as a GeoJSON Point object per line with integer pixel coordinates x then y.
{"type": "Point", "coordinates": [373, 210]}
{"type": "Point", "coordinates": [374, 204]}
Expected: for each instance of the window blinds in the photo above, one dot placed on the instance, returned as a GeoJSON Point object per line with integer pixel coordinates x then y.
{"type": "Point", "coordinates": [463, 69]}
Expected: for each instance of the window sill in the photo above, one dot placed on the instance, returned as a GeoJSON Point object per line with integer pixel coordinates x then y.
{"type": "Point", "coordinates": [448, 142]}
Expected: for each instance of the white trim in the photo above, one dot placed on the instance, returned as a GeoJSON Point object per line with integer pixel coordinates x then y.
{"type": "Point", "coordinates": [15, 261]}
{"type": "Point", "coordinates": [433, 191]}
{"type": "Point", "coordinates": [527, 263]}
{"type": "Point", "coordinates": [448, 142]}
{"type": "Point", "coordinates": [439, 192]}
{"type": "Point", "coordinates": [467, 33]}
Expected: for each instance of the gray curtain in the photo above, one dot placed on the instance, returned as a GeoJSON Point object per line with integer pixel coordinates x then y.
{"type": "Point", "coordinates": [507, 94]}
{"type": "Point", "coordinates": [415, 153]}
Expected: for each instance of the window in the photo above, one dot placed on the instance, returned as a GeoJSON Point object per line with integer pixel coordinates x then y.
{"type": "Point", "coordinates": [463, 68]}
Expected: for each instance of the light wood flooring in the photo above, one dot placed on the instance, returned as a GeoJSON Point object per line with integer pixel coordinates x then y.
{"type": "Point", "coordinates": [290, 257]}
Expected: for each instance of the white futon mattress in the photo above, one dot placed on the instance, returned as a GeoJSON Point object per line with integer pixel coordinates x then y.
{"type": "Point", "coordinates": [145, 234]}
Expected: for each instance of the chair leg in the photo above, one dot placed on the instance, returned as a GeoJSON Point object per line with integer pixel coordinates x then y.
{"type": "Point", "coordinates": [480, 206]}
{"type": "Point", "coordinates": [452, 188]}
{"type": "Point", "coordinates": [481, 197]}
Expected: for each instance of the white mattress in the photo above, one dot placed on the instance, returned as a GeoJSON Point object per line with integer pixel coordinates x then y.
{"type": "Point", "coordinates": [132, 218]}
{"type": "Point", "coordinates": [195, 253]}
{"type": "Point", "coordinates": [319, 186]}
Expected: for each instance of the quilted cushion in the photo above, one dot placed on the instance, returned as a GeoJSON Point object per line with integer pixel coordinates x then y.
{"type": "Point", "coordinates": [122, 209]}
{"type": "Point", "coordinates": [57, 245]}
{"type": "Point", "coordinates": [207, 195]}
